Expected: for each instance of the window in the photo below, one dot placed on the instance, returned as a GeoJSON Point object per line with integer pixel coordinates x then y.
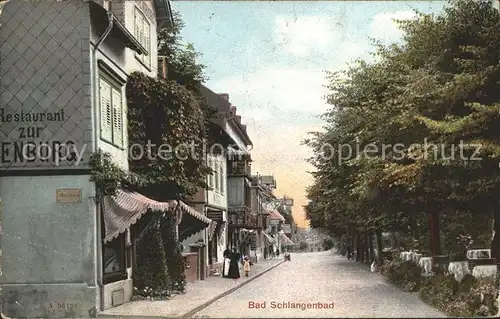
{"type": "Point", "coordinates": [111, 112]}
{"type": "Point", "coordinates": [221, 170]}
{"type": "Point", "coordinates": [216, 175]}
{"type": "Point", "coordinates": [114, 260]}
{"type": "Point", "coordinates": [142, 30]}
{"type": "Point", "coordinates": [210, 176]}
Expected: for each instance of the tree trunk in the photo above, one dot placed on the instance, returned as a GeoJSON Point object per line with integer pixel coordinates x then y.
{"type": "Point", "coordinates": [363, 247]}
{"type": "Point", "coordinates": [379, 247]}
{"type": "Point", "coordinates": [370, 247]}
{"type": "Point", "coordinates": [358, 247]}
{"type": "Point", "coordinates": [495, 243]}
{"type": "Point", "coordinates": [435, 238]}
{"type": "Point", "coordinates": [366, 246]}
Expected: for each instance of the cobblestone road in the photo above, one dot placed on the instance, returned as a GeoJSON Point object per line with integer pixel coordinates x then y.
{"type": "Point", "coordinates": [320, 278]}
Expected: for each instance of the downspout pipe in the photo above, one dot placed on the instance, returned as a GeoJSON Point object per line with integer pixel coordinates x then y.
{"type": "Point", "coordinates": [96, 127]}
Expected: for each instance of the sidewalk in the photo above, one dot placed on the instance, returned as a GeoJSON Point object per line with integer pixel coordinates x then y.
{"type": "Point", "coordinates": [198, 296]}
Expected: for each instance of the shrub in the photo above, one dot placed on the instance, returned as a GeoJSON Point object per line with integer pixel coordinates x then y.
{"type": "Point", "coordinates": [470, 298]}
{"type": "Point", "coordinates": [404, 274]}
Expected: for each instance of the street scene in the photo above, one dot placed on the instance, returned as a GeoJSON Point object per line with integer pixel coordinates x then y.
{"type": "Point", "coordinates": [353, 291]}
{"type": "Point", "coordinates": [249, 159]}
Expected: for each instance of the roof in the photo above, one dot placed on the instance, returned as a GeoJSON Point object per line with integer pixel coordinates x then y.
{"type": "Point", "coordinates": [119, 31]}
{"type": "Point", "coordinates": [163, 12]}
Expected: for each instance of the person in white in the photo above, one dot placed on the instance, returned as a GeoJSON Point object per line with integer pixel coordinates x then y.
{"type": "Point", "coordinates": [226, 263]}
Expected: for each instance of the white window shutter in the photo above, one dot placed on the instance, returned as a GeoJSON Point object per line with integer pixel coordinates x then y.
{"type": "Point", "coordinates": [117, 118]}
{"type": "Point", "coordinates": [147, 41]}
{"type": "Point", "coordinates": [216, 175]}
{"type": "Point", "coordinates": [106, 111]}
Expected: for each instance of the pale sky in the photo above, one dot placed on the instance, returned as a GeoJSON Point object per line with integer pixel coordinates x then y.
{"type": "Point", "coordinates": [270, 58]}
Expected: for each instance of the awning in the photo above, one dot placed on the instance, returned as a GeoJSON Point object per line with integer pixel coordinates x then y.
{"type": "Point", "coordinates": [275, 215]}
{"type": "Point", "coordinates": [124, 209]}
{"type": "Point", "coordinates": [285, 241]}
{"type": "Point", "coordinates": [269, 240]}
{"type": "Point", "coordinates": [192, 222]}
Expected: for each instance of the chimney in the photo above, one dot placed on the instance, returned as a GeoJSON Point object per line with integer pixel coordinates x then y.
{"type": "Point", "coordinates": [224, 96]}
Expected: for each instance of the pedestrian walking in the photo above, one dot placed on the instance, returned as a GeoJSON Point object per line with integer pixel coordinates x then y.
{"type": "Point", "coordinates": [246, 265]}
{"type": "Point", "coordinates": [234, 271]}
{"type": "Point", "coordinates": [278, 252]}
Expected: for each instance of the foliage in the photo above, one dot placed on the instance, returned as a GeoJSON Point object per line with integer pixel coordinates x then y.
{"type": "Point", "coordinates": [470, 298]}
{"type": "Point", "coordinates": [328, 244]}
{"type": "Point", "coordinates": [160, 265]}
{"type": "Point", "coordinates": [166, 120]}
{"type": "Point", "coordinates": [404, 274]}
{"type": "Point", "coordinates": [182, 61]}
{"type": "Point", "coordinates": [108, 176]}
{"type": "Point", "coordinates": [173, 251]}
{"type": "Point", "coordinates": [303, 245]}
{"type": "Point", "coordinates": [151, 276]}
{"type": "Point", "coordinates": [418, 102]}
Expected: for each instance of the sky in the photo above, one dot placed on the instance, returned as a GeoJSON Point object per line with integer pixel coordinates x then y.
{"type": "Point", "coordinates": [271, 58]}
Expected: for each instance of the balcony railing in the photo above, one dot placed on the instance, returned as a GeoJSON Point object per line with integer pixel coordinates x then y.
{"type": "Point", "coordinates": [238, 168]}
{"type": "Point", "coordinates": [244, 219]}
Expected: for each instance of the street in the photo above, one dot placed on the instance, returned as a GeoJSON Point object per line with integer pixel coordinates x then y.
{"type": "Point", "coordinates": [321, 277]}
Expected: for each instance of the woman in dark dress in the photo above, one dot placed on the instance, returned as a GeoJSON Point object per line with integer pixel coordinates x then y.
{"type": "Point", "coordinates": [234, 271]}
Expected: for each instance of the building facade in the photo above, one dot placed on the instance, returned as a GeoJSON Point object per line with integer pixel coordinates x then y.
{"type": "Point", "coordinates": [63, 70]}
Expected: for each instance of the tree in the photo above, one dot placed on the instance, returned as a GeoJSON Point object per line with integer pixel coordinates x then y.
{"type": "Point", "coordinates": [182, 61]}
{"type": "Point", "coordinates": [303, 245]}
{"type": "Point", "coordinates": [438, 88]}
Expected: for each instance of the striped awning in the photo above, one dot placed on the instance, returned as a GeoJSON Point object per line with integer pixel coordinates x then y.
{"type": "Point", "coordinates": [275, 215]}
{"type": "Point", "coordinates": [186, 209]}
{"type": "Point", "coordinates": [269, 240]}
{"type": "Point", "coordinates": [191, 222]}
{"type": "Point", "coordinates": [285, 241]}
{"type": "Point", "coordinates": [124, 209]}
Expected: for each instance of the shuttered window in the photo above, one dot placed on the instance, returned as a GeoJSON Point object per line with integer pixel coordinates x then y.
{"type": "Point", "coordinates": [142, 29]}
{"type": "Point", "coordinates": [210, 176]}
{"type": "Point", "coordinates": [216, 176]}
{"type": "Point", "coordinates": [117, 117]}
{"type": "Point", "coordinates": [111, 112]}
{"type": "Point", "coordinates": [106, 111]}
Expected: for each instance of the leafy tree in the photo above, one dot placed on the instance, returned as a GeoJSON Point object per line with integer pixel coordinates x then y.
{"type": "Point", "coordinates": [182, 61]}
{"type": "Point", "coordinates": [438, 89]}
{"type": "Point", "coordinates": [303, 245]}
